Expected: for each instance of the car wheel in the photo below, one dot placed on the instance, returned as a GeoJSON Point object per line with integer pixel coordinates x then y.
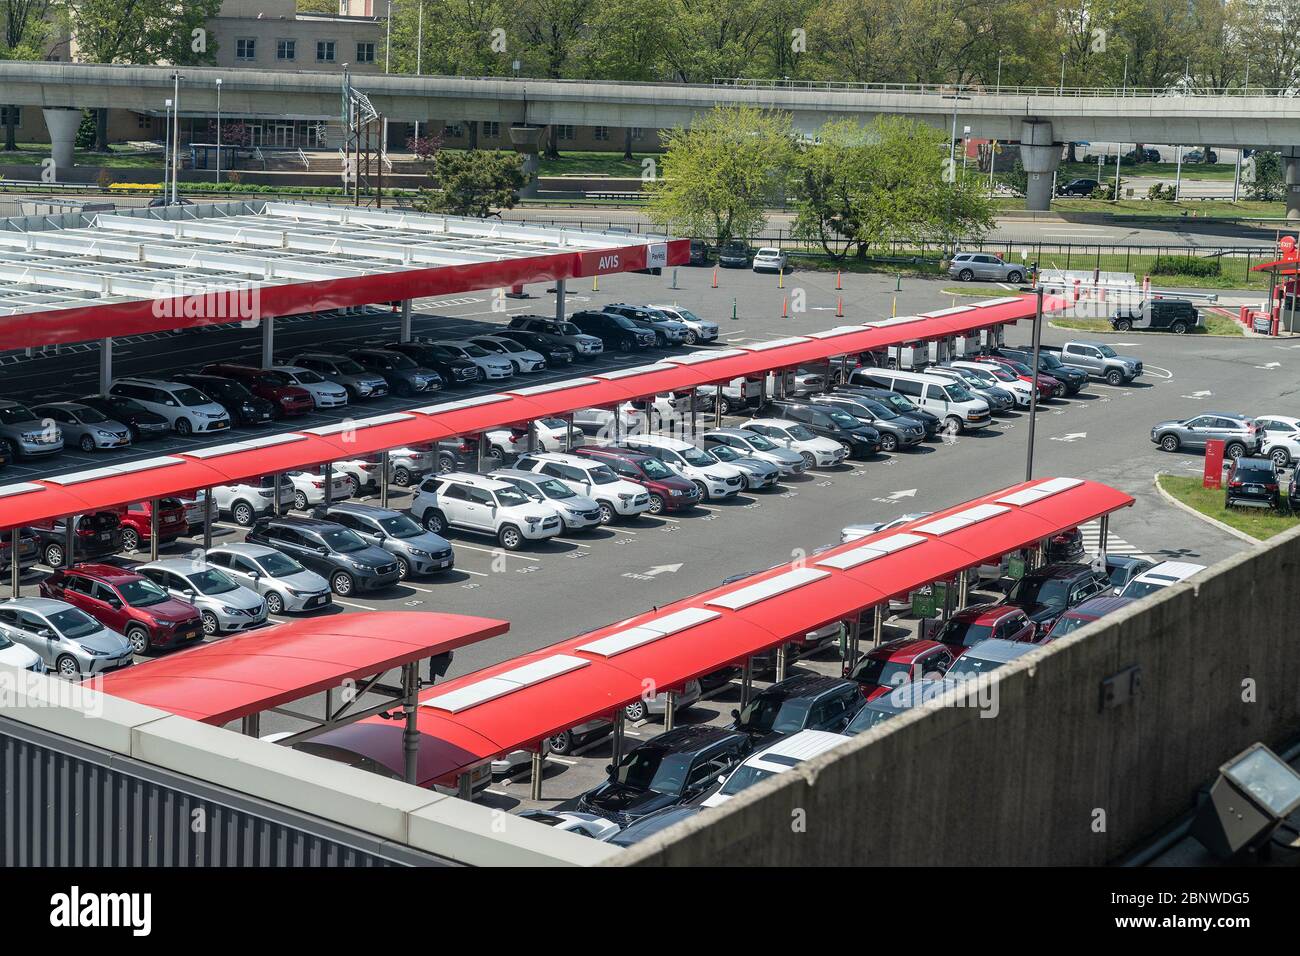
{"type": "Point", "coordinates": [1058, 391]}
{"type": "Point", "coordinates": [66, 666]}
{"type": "Point", "coordinates": [966, 275]}
{"type": "Point", "coordinates": [54, 555]}
{"type": "Point", "coordinates": [690, 338]}
{"type": "Point", "coordinates": [607, 513]}
{"type": "Point", "coordinates": [656, 504]}
{"type": "Point", "coordinates": [341, 583]}
{"type": "Point", "coordinates": [510, 538]}
{"type": "Point", "coordinates": [561, 743]}
{"type": "Point", "coordinates": [637, 710]}
{"type": "Point", "coordinates": [1179, 328]}
{"type": "Point", "coordinates": [210, 623]}
{"type": "Point", "coordinates": [516, 368]}
{"type": "Point", "coordinates": [87, 443]}
{"type": "Point", "coordinates": [809, 459]}
{"type": "Point", "coordinates": [130, 540]}
{"type": "Point", "coordinates": [446, 463]}
{"type": "Point", "coordinates": [1123, 325]}
{"type": "Point", "coordinates": [498, 453]}
{"type": "Point", "coordinates": [1015, 278]}
{"type": "Point", "coordinates": [724, 407]}
{"type": "Point", "coordinates": [138, 638]}
{"type": "Point", "coordinates": [952, 425]}
{"type": "Point", "coordinates": [183, 426]}
{"type": "Point", "coordinates": [1281, 457]}
{"type": "Point", "coordinates": [402, 477]}
{"type": "Point", "coordinates": [1235, 450]}
{"type": "Point", "coordinates": [243, 514]}
{"type": "Point", "coordinates": [891, 363]}
{"type": "Point", "coordinates": [403, 569]}
{"type": "Point", "coordinates": [274, 603]}
{"type": "Point", "coordinates": [300, 500]}
{"type": "Point", "coordinates": [704, 492]}
{"type": "Point", "coordinates": [435, 522]}
{"type": "Point", "coordinates": [1115, 377]}
{"type": "Point", "coordinates": [1169, 443]}
{"type": "Point", "coordinates": [480, 375]}
{"type": "Point", "coordinates": [888, 442]}
{"type": "Point", "coordinates": [625, 345]}
{"type": "Point", "coordinates": [354, 488]}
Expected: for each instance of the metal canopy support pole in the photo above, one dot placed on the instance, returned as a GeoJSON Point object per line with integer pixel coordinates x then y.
{"type": "Point", "coordinates": [695, 421]}
{"type": "Point", "coordinates": [532, 438]}
{"type": "Point", "coordinates": [465, 786]}
{"type": "Point", "coordinates": [411, 732]}
{"type": "Point", "coordinates": [276, 507]}
{"type": "Point", "coordinates": [616, 738]}
{"type": "Point", "coordinates": [1033, 386]}
{"type": "Point", "coordinates": [69, 540]}
{"type": "Point", "coordinates": [536, 781]}
{"type": "Point", "coordinates": [670, 705]}
{"type": "Point", "coordinates": [207, 518]}
{"type": "Point", "coordinates": [568, 432]}
{"type": "Point", "coordinates": [746, 682]}
{"type": "Point", "coordinates": [478, 452]}
{"type": "Point", "coordinates": [780, 662]}
{"type": "Point", "coordinates": [717, 408]}
{"type": "Point", "coordinates": [405, 334]}
{"type": "Point", "coordinates": [851, 652]}
{"type": "Point", "coordinates": [878, 625]}
{"type": "Point", "coordinates": [329, 483]}
{"type": "Point", "coordinates": [105, 365]}
{"type": "Point", "coordinates": [268, 342]}
{"type": "Point", "coordinates": [383, 478]}
{"type": "Point", "coordinates": [153, 529]}
{"type": "Point", "coordinates": [618, 423]}
{"type": "Point", "coordinates": [251, 725]}
{"type": "Point", "coordinates": [1102, 536]}
{"type": "Point", "coordinates": [15, 566]}
{"type": "Point", "coordinates": [559, 301]}
{"type": "Point", "coordinates": [963, 589]}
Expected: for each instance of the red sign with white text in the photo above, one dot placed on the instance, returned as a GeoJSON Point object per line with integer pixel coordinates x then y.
{"type": "Point", "coordinates": [1213, 464]}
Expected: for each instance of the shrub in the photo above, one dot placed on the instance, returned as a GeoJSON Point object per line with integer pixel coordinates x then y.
{"type": "Point", "coordinates": [1162, 191]}
{"type": "Point", "coordinates": [1185, 266]}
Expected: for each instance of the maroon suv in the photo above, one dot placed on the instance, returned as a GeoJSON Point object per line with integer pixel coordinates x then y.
{"type": "Point", "coordinates": [276, 387]}
{"type": "Point", "coordinates": [668, 491]}
{"type": "Point", "coordinates": [127, 602]}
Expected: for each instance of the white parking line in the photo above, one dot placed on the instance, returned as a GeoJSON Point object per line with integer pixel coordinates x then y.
{"type": "Point", "coordinates": [496, 551]}
{"type": "Point", "coordinates": [620, 530]}
{"type": "Point", "coordinates": [567, 763]}
{"type": "Point", "coordinates": [363, 607]}
{"type": "Point", "coordinates": [477, 574]}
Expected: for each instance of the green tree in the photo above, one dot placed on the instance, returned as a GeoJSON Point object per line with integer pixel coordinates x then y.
{"type": "Point", "coordinates": [1268, 183]}
{"type": "Point", "coordinates": [719, 174]}
{"type": "Point", "coordinates": [474, 182]}
{"type": "Point", "coordinates": [24, 27]}
{"type": "Point", "coordinates": [890, 181]}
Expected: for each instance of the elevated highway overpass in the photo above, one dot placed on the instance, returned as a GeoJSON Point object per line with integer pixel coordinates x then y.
{"type": "Point", "coordinates": [1037, 118]}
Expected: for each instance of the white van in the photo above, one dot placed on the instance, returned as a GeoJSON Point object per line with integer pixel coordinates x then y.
{"type": "Point", "coordinates": [951, 401]}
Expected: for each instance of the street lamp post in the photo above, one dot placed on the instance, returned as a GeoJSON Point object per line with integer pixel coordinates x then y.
{"type": "Point", "coordinates": [167, 151]}
{"type": "Point", "coordinates": [1033, 391]}
{"type": "Point", "coordinates": [176, 133]}
{"type": "Point", "coordinates": [1178, 175]}
{"type": "Point", "coordinates": [999, 86]}
{"type": "Point", "coordinates": [218, 129]}
{"type": "Point", "coordinates": [388, 35]}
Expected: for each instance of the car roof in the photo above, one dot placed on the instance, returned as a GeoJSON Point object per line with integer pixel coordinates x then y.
{"type": "Point", "coordinates": [902, 649]}
{"type": "Point", "coordinates": [804, 685]}
{"type": "Point", "coordinates": [1098, 606]}
{"type": "Point", "coordinates": [690, 738]}
{"type": "Point", "coordinates": [298, 521]}
{"type": "Point", "coordinates": [1123, 560]}
{"type": "Point", "coordinates": [40, 605]}
{"type": "Point", "coordinates": [244, 548]}
{"type": "Point", "coordinates": [370, 511]}
{"type": "Point", "coordinates": [561, 458]}
{"type": "Point", "coordinates": [661, 441]}
{"type": "Point", "coordinates": [983, 613]}
{"type": "Point", "coordinates": [1170, 571]}
{"type": "Point", "coordinates": [734, 432]}
{"type": "Point", "coordinates": [179, 565]}
{"type": "Point", "coordinates": [478, 481]}
{"type": "Point", "coordinates": [774, 422]}
{"type": "Point", "coordinates": [1067, 569]}
{"type": "Point", "coordinates": [1226, 415]}
{"type": "Point", "coordinates": [69, 405]}
{"type": "Point", "coordinates": [996, 649]}
{"type": "Point", "coordinates": [152, 382]}
{"type": "Point", "coordinates": [104, 572]}
{"type": "Point", "coordinates": [802, 745]}
{"type": "Point", "coordinates": [520, 473]}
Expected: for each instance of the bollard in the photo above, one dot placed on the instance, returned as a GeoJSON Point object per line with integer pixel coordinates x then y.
{"type": "Point", "coordinates": [780, 278]}
{"type": "Point", "coordinates": [733, 308]}
{"type": "Point", "coordinates": [595, 283]}
{"type": "Point", "coordinates": [839, 307]}
{"type": "Point", "coordinates": [674, 285]}
{"type": "Point", "coordinates": [785, 307]}
{"type": "Point", "coordinates": [898, 282]}
{"type": "Point", "coordinates": [715, 277]}
{"type": "Point", "coordinates": [838, 285]}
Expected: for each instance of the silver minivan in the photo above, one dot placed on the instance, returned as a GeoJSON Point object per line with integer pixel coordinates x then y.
{"type": "Point", "coordinates": [959, 408]}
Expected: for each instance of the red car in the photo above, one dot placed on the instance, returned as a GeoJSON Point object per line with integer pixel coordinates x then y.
{"type": "Point", "coordinates": [900, 662]}
{"type": "Point", "coordinates": [276, 387]}
{"type": "Point", "coordinates": [979, 622]}
{"type": "Point", "coordinates": [127, 602]}
{"type": "Point", "coordinates": [1047, 386]}
{"type": "Point", "coordinates": [668, 491]}
{"type": "Point", "coordinates": [137, 527]}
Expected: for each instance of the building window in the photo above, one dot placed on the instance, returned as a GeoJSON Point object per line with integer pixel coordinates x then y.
{"type": "Point", "coordinates": [638, 134]}
{"type": "Point", "coordinates": [324, 51]}
{"type": "Point", "coordinates": [601, 133]}
{"type": "Point", "coordinates": [11, 114]}
{"type": "Point", "coordinates": [453, 131]}
{"type": "Point", "coordinates": [563, 132]}
{"type": "Point", "coordinates": [143, 122]}
{"type": "Point", "coordinates": [245, 49]}
{"type": "Point", "coordinates": [365, 53]}
{"type": "Point", "coordinates": [286, 49]}
{"type": "Point", "coordinates": [491, 130]}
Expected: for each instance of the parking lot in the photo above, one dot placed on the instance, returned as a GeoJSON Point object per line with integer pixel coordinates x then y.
{"type": "Point", "coordinates": [1101, 433]}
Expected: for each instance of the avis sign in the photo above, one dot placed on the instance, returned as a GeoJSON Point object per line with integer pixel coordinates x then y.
{"type": "Point", "coordinates": [1213, 477]}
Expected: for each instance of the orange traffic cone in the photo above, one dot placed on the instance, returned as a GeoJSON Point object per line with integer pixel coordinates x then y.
{"type": "Point", "coordinates": [839, 307]}
{"type": "Point", "coordinates": [785, 307]}
{"type": "Point", "coordinates": [838, 285]}
{"type": "Point", "coordinates": [715, 277]}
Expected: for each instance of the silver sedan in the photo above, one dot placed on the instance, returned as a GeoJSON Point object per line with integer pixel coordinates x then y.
{"type": "Point", "coordinates": [285, 585]}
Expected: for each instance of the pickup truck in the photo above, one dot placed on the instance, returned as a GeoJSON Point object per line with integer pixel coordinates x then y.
{"type": "Point", "coordinates": [1098, 360]}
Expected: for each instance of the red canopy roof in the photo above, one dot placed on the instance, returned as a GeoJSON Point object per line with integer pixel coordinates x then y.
{"type": "Point", "coordinates": [257, 670]}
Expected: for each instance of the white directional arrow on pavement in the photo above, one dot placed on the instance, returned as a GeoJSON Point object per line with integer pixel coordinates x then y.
{"type": "Point", "coordinates": [1073, 436]}
{"type": "Point", "coordinates": [897, 495]}
{"type": "Point", "coordinates": [1270, 365]}
{"type": "Point", "coordinates": [664, 569]}
{"type": "Point", "coordinates": [1199, 395]}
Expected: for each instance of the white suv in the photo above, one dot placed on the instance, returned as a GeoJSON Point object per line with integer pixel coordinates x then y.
{"type": "Point", "coordinates": [187, 409]}
{"type": "Point", "coordinates": [713, 478]}
{"type": "Point", "coordinates": [309, 487]}
{"type": "Point", "coordinates": [484, 505]}
{"type": "Point", "coordinates": [616, 496]}
{"type": "Point", "coordinates": [246, 501]}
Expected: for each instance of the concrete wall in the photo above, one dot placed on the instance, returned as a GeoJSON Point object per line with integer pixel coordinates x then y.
{"type": "Point", "coordinates": [1054, 778]}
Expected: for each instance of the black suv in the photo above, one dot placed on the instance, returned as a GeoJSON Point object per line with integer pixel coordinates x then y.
{"type": "Point", "coordinates": [243, 407]}
{"type": "Point", "coordinates": [1049, 364]}
{"type": "Point", "coordinates": [894, 402]}
{"type": "Point", "coordinates": [1047, 592]}
{"type": "Point", "coordinates": [554, 352]}
{"type": "Point", "coordinates": [143, 423]}
{"type": "Point", "coordinates": [802, 702]}
{"type": "Point", "coordinates": [829, 421]}
{"type": "Point", "coordinates": [94, 536]}
{"type": "Point", "coordinates": [336, 553]}
{"type": "Point", "coordinates": [666, 771]}
{"type": "Point", "coordinates": [1252, 482]}
{"type": "Point", "coordinates": [451, 368]}
{"type": "Point", "coordinates": [667, 331]}
{"type": "Point", "coordinates": [896, 431]}
{"type": "Point", "coordinates": [1157, 315]}
{"type": "Point", "coordinates": [614, 331]}
{"type": "Point", "coordinates": [1078, 187]}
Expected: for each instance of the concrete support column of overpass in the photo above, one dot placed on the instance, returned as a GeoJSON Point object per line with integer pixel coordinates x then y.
{"type": "Point", "coordinates": [1291, 157]}
{"type": "Point", "coordinates": [62, 125]}
{"type": "Point", "coordinates": [405, 334]}
{"type": "Point", "coordinates": [527, 142]}
{"type": "Point", "coordinates": [1040, 156]}
{"type": "Point", "coordinates": [105, 365]}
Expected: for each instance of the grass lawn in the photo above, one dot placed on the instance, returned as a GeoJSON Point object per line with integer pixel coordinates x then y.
{"type": "Point", "coordinates": [117, 157]}
{"type": "Point", "coordinates": [1214, 325]}
{"type": "Point", "coordinates": [1256, 522]}
{"type": "Point", "coordinates": [977, 291]}
{"type": "Point", "coordinates": [579, 163]}
{"type": "Point", "coordinates": [854, 264]}
{"type": "Point", "coordinates": [1203, 208]}
{"type": "Point", "coordinates": [1220, 171]}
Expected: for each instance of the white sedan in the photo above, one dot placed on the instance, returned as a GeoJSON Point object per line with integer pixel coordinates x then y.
{"type": "Point", "coordinates": [769, 259]}
{"type": "Point", "coordinates": [817, 452]}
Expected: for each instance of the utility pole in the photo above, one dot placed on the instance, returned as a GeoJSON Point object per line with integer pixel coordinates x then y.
{"type": "Point", "coordinates": [1033, 391]}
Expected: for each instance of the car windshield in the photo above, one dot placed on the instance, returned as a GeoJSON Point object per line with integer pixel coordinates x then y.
{"type": "Point", "coordinates": [507, 345]}
{"type": "Point", "coordinates": [343, 540]}
{"type": "Point", "coordinates": [475, 351]}
{"type": "Point", "coordinates": [554, 422]}
{"type": "Point", "coordinates": [761, 442]}
{"type": "Point", "coordinates": [1107, 351]}
{"type": "Point", "coordinates": [652, 768]}
{"type": "Point", "coordinates": [347, 366]}
{"type": "Point", "coordinates": [622, 321]}
{"type": "Point", "coordinates": [1064, 625]}
{"type": "Point", "coordinates": [693, 456]}
{"type": "Point", "coordinates": [745, 776]}
{"type": "Point", "coordinates": [970, 664]}
{"type": "Point", "coordinates": [688, 315]}
{"type": "Point", "coordinates": [843, 418]}
{"type": "Point", "coordinates": [1262, 475]}
{"type": "Point", "coordinates": [1020, 367]}
{"type": "Point", "coordinates": [867, 718]}
{"type": "Point", "coordinates": [15, 414]}
{"type": "Point", "coordinates": [308, 377]}
{"type": "Point", "coordinates": [279, 565]}
{"type": "Point", "coordinates": [1137, 589]}
{"type": "Point", "coordinates": [766, 715]}
{"type": "Point", "coordinates": [74, 623]}
{"type": "Point", "coordinates": [958, 393]}
{"type": "Point", "coordinates": [1001, 374]}
{"type": "Point", "coordinates": [125, 405]}
{"type": "Point", "coordinates": [398, 360]}
{"type": "Point", "coordinates": [879, 409]}
{"type": "Point", "coordinates": [91, 416]}
{"type": "Point", "coordinates": [557, 490]}
{"type": "Point", "coordinates": [654, 468]}
{"type": "Point", "coordinates": [190, 397]}
{"type": "Point", "coordinates": [211, 581]}
{"type": "Point", "coordinates": [568, 328]}
{"type": "Point", "coordinates": [800, 432]}
{"type": "Point", "coordinates": [883, 673]}
{"type": "Point", "coordinates": [966, 633]}
{"type": "Point", "coordinates": [141, 593]}
{"type": "Point", "coordinates": [1049, 591]}
{"type": "Point", "coordinates": [602, 475]}
{"type": "Point", "coordinates": [724, 453]}
{"type": "Point", "coordinates": [400, 526]}
{"type": "Point", "coordinates": [510, 497]}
